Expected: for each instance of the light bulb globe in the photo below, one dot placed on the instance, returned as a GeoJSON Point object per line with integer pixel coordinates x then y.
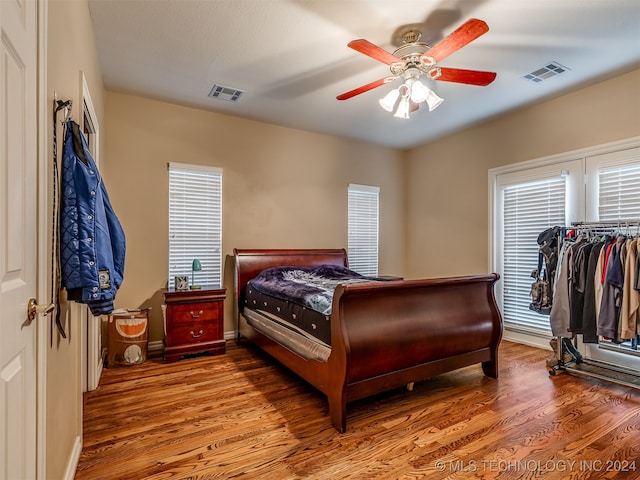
{"type": "Point", "coordinates": [419, 92]}
{"type": "Point", "coordinates": [389, 100]}
{"type": "Point", "coordinates": [403, 108]}
{"type": "Point", "coordinates": [433, 100]}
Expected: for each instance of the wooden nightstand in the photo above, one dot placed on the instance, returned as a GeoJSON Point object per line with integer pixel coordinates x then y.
{"type": "Point", "coordinates": [194, 322]}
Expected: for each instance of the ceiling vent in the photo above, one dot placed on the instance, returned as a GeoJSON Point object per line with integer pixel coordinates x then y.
{"type": "Point", "coordinates": [226, 93]}
{"type": "Point", "coordinates": [552, 69]}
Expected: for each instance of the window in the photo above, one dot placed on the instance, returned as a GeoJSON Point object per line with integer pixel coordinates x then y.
{"type": "Point", "coordinates": [528, 209]}
{"type": "Point", "coordinates": [613, 186]}
{"type": "Point", "coordinates": [363, 229]}
{"type": "Point", "coordinates": [527, 202]}
{"type": "Point", "coordinates": [613, 195]}
{"type": "Point", "coordinates": [195, 223]}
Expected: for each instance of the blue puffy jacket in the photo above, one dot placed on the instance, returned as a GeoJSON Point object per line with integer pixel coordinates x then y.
{"type": "Point", "coordinates": [92, 241]}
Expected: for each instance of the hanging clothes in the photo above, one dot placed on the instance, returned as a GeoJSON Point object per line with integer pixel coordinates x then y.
{"type": "Point", "coordinates": [595, 292]}
{"type": "Point", "coordinates": [92, 241]}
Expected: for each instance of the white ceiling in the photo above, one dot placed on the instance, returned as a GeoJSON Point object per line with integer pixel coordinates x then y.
{"type": "Point", "coordinates": [291, 56]}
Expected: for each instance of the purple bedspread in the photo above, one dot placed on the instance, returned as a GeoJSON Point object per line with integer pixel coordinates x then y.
{"type": "Point", "coordinates": [310, 287]}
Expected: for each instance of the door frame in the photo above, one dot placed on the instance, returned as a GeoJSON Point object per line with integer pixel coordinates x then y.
{"type": "Point", "coordinates": [43, 225]}
{"type": "Point", "coordinates": [90, 326]}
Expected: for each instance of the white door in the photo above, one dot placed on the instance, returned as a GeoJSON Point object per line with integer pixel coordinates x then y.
{"type": "Point", "coordinates": [18, 237]}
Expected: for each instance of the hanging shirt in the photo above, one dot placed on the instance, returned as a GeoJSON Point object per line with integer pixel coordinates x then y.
{"type": "Point", "coordinates": [561, 308]}
{"type": "Point", "coordinates": [612, 293]}
{"type": "Point", "coordinates": [636, 284]}
{"type": "Point", "coordinates": [629, 318]}
{"type": "Point", "coordinates": [589, 306]}
{"type": "Point", "coordinates": [577, 284]}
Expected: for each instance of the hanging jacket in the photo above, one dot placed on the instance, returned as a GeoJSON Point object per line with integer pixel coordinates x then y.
{"type": "Point", "coordinates": [92, 241]}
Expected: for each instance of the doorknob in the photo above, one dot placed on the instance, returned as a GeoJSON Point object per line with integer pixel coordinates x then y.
{"type": "Point", "coordinates": [33, 309]}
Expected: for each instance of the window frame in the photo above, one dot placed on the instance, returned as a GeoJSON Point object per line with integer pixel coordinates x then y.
{"type": "Point", "coordinates": [571, 171]}
{"type": "Point", "coordinates": [594, 164]}
{"type": "Point", "coordinates": [363, 228]}
{"type": "Point", "coordinates": [527, 170]}
{"type": "Point", "coordinates": [606, 351]}
{"type": "Point", "coordinates": [209, 240]}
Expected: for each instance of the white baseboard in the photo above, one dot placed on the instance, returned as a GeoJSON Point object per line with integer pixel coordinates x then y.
{"type": "Point", "coordinates": [72, 465]}
{"type": "Point", "coordinates": [531, 340]}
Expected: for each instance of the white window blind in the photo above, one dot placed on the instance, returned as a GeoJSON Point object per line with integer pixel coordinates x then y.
{"type": "Point", "coordinates": [363, 229]}
{"type": "Point", "coordinates": [619, 193]}
{"type": "Point", "coordinates": [613, 186]}
{"type": "Point", "coordinates": [528, 209]}
{"type": "Point", "coordinates": [195, 223]}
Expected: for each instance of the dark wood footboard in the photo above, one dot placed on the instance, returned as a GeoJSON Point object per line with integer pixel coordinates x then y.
{"type": "Point", "coordinates": [392, 334]}
{"type": "Point", "coordinates": [385, 335]}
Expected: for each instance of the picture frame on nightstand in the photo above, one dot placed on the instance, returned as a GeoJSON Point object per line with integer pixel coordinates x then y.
{"type": "Point", "coordinates": [181, 282]}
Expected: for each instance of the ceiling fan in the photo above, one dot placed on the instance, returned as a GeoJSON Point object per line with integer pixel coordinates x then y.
{"type": "Point", "coordinates": [414, 59]}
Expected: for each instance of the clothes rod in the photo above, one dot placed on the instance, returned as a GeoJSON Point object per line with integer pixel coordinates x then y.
{"type": "Point", "coordinates": [613, 224]}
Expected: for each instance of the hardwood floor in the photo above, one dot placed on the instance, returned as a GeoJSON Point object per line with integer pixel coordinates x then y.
{"type": "Point", "coordinates": [241, 415]}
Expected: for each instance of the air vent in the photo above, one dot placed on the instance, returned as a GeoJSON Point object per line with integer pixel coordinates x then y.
{"type": "Point", "coordinates": [552, 69]}
{"type": "Point", "coordinates": [226, 93]}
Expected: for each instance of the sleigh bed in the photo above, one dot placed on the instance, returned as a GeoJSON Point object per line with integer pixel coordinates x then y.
{"type": "Point", "coordinates": [381, 334]}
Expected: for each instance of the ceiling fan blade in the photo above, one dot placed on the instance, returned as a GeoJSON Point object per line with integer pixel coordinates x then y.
{"type": "Point", "coordinates": [470, 77]}
{"type": "Point", "coordinates": [464, 35]}
{"type": "Point", "coordinates": [365, 88]}
{"type": "Point", "coordinates": [413, 106]}
{"type": "Point", "coordinates": [373, 51]}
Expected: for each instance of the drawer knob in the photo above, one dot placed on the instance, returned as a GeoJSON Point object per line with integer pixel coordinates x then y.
{"type": "Point", "coordinates": [194, 335]}
{"type": "Point", "coordinates": [196, 315]}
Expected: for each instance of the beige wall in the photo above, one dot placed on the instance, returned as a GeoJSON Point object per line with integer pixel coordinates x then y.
{"type": "Point", "coordinates": [71, 49]}
{"type": "Point", "coordinates": [447, 189]}
{"type": "Point", "coordinates": [282, 188]}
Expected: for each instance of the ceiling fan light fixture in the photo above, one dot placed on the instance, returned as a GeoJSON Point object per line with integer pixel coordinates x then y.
{"type": "Point", "coordinates": [388, 102]}
{"type": "Point", "coordinates": [414, 59]}
{"type": "Point", "coordinates": [411, 93]}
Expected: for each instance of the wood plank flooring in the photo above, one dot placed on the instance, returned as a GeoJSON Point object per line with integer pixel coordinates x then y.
{"type": "Point", "coordinates": [243, 416]}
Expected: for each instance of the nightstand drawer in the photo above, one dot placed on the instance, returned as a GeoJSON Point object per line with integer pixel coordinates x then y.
{"type": "Point", "coordinates": [194, 333]}
{"type": "Point", "coordinates": [196, 312]}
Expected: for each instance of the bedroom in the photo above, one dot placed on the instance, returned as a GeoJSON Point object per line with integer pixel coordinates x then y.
{"type": "Point", "coordinates": [268, 169]}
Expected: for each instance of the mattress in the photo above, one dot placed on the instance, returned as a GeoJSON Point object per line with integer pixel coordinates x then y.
{"type": "Point", "coordinates": [303, 345]}
{"type": "Point", "coordinates": [301, 297]}
{"type": "Point", "coordinates": [296, 302]}
{"type": "Point", "coordinates": [296, 317]}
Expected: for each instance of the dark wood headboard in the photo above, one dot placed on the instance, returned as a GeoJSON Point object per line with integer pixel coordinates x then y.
{"type": "Point", "coordinates": [251, 262]}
